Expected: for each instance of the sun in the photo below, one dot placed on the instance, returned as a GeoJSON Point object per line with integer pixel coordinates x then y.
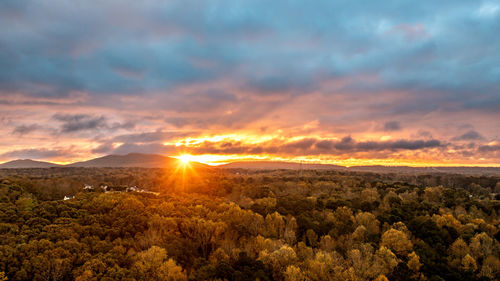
{"type": "Point", "coordinates": [185, 158]}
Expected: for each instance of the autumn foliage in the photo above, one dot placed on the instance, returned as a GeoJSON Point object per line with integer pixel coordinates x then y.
{"type": "Point", "coordinates": [243, 225]}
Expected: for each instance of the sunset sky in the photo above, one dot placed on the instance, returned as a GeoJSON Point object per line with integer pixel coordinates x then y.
{"type": "Point", "coordinates": [342, 82]}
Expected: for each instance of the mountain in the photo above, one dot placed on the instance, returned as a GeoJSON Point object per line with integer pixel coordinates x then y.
{"type": "Point", "coordinates": [133, 160]}
{"type": "Point", "coordinates": [27, 163]}
{"type": "Point", "coordinates": [278, 165]}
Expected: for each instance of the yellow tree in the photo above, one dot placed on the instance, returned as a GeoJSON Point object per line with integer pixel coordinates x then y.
{"type": "Point", "coordinates": [360, 234]}
{"type": "Point", "coordinates": [361, 260]}
{"type": "Point", "coordinates": [397, 241]}
{"type": "Point", "coordinates": [370, 195]}
{"type": "Point", "coordinates": [294, 273]}
{"type": "Point", "coordinates": [279, 259]}
{"type": "Point", "coordinates": [327, 243]}
{"type": "Point", "coordinates": [326, 266]}
{"type": "Point", "coordinates": [153, 264]}
{"type": "Point", "coordinates": [369, 221]}
{"type": "Point", "coordinates": [275, 225]}
{"type": "Point", "coordinates": [381, 278]}
{"type": "Point", "coordinates": [468, 263]}
{"type": "Point", "coordinates": [290, 230]}
{"type": "Point", "coordinates": [457, 251]}
{"type": "Point", "coordinates": [481, 245]}
{"type": "Point", "coordinates": [414, 262]}
{"type": "Point", "coordinates": [384, 261]}
{"type": "Point", "coordinates": [87, 275]}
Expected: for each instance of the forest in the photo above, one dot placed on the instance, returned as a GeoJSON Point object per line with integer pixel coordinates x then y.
{"type": "Point", "coordinates": [213, 224]}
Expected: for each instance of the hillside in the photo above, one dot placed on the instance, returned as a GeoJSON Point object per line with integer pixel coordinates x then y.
{"type": "Point", "coordinates": [427, 170]}
{"type": "Point", "coordinates": [27, 163]}
{"type": "Point", "coordinates": [129, 160]}
{"type": "Point", "coordinates": [278, 165]}
{"type": "Point", "coordinates": [132, 160]}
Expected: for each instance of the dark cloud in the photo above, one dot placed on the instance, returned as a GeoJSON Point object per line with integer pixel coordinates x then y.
{"type": "Point", "coordinates": [469, 136]}
{"type": "Point", "coordinates": [489, 148]}
{"type": "Point", "coordinates": [25, 129]}
{"type": "Point", "coordinates": [127, 125]}
{"type": "Point", "coordinates": [80, 122]}
{"type": "Point", "coordinates": [84, 122]}
{"type": "Point", "coordinates": [267, 47]}
{"type": "Point", "coordinates": [312, 146]}
{"type": "Point", "coordinates": [349, 144]}
{"type": "Point", "coordinates": [392, 126]}
{"type": "Point", "coordinates": [300, 145]}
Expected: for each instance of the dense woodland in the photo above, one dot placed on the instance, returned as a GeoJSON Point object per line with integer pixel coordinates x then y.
{"type": "Point", "coordinates": [211, 224]}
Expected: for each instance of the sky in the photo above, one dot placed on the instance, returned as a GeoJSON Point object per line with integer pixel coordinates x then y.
{"type": "Point", "coordinates": [343, 82]}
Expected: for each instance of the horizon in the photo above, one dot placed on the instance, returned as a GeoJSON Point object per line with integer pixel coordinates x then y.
{"type": "Point", "coordinates": [349, 84]}
{"type": "Point", "coordinates": [192, 158]}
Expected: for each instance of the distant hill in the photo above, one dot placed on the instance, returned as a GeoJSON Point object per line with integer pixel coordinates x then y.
{"type": "Point", "coordinates": [112, 161]}
{"type": "Point", "coordinates": [133, 160]}
{"type": "Point", "coordinates": [277, 165]}
{"type": "Point", "coordinates": [27, 163]}
{"type": "Point", "coordinates": [428, 170]}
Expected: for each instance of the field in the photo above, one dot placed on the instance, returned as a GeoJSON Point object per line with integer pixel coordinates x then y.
{"type": "Point", "coordinates": [213, 224]}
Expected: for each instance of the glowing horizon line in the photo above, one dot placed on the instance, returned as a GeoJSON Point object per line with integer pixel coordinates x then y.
{"type": "Point", "coordinates": [222, 159]}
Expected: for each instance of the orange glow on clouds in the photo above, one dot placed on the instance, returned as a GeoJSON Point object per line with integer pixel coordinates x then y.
{"type": "Point", "coordinates": [400, 158]}
{"type": "Point", "coordinates": [216, 160]}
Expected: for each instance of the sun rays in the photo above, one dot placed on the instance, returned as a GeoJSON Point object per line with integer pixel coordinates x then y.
{"type": "Point", "coordinates": [185, 172]}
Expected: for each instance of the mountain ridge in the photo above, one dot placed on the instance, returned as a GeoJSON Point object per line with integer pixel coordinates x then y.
{"type": "Point", "coordinates": [263, 165]}
{"type": "Point", "coordinates": [278, 165]}
{"type": "Point", "coordinates": [139, 160]}
{"type": "Point", "coordinates": [27, 163]}
{"type": "Point", "coordinates": [127, 160]}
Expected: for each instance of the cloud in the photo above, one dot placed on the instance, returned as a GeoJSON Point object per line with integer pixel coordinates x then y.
{"type": "Point", "coordinates": [277, 147]}
{"type": "Point", "coordinates": [237, 66]}
{"type": "Point", "coordinates": [313, 146]}
{"type": "Point", "coordinates": [469, 136]}
{"type": "Point", "coordinates": [25, 129]}
{"type": "Point", "coordinates": [349, 144]}
{"type": "Point", "coordinates": [83, 122]}
{"type": "Point", "coordinates": [392, 126]}
{"type": "Point", "coordinates": [489, 148]}
{"type": "Point", "coordinates": [269, 48]}
{"type": "Point", "coordinates": [80, 122]}
{"type": "Point", "coordinates": [147, 141]}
